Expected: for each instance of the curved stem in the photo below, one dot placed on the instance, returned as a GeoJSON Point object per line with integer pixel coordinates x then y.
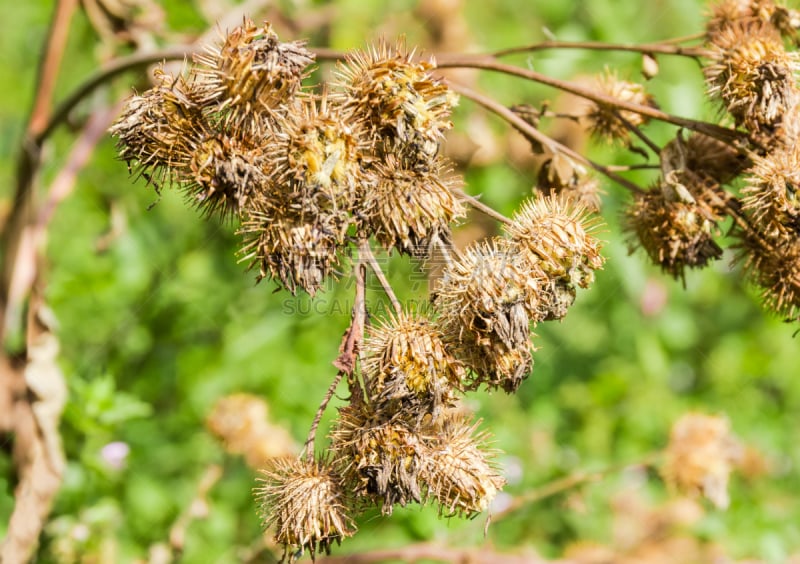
{"type": "Point", "coordinates": [486, 63]}
{"type": "Point", "coordinates": [655, 48]}
{"type": "Point", "coordinates": [534, 134]}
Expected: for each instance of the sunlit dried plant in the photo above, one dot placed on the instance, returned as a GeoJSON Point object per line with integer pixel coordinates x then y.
{"type": "Point", "coordinates": [358, 161]}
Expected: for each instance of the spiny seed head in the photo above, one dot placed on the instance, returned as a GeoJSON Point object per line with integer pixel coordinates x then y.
{"type": "Point", "coordinates": [710, 157]}
{"type": "Point", "coordinates": [410, 208]}
{"type": "Point", "coordinates": [407, 366]}
{"type": "Point", "coordinates": [160, 130]}
{"type": "Point", "coordinates": [700, 457]}
{"type": "Point", "coordinates": [753, 75]}
{"type": "Point", "coordinates": [561, 176]}
{"type": "Point", "coordinates": [298, 251]}
{"type": "Point", "coordinates": [316, 157]}
{"type": "Point", "coordinates": [604, 119]}
{"type": "Point", "coordinates": [251, 73]}
{"type": "Point", "coordinates": [772, 193]}
{"type": "Point", "coordinates": [225, 175]}
{"type": "Point", "coordinates": [459, 472]}
{"type": "Point", "coordinates": [399, 98]}
{"type": "Point", "coordinates": [675, 234]}
{"type": "Point", "coordinates": [773, 263]}
{"type": "Point", "coordinates": [306, 504]}
{"type": "Point", "coordinates": [484, 297]}
{"type": "Point", "coordinates": [728, 13]}
{"type": "Point", "coordinates": [556, 234]}
{"type": "Point", "coordinates": [381, 458]}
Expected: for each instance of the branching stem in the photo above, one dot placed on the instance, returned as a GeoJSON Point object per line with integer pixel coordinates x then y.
{"type": "Point", "coordinates": [534, 134]}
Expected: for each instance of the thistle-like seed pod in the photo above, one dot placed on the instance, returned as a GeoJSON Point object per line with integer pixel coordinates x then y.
{"type": "Point", "coordinates": [381, 459]}
{"type": "Point", "coordinates": [674, 233]}
{"type": "Point", "coordinates": [700, 457]}
{"type": "Point", "coordinates": [604, 119]}
{"type": "Point", "coordinates": [161, 130]}
{"type": "Point", "coordinates": [557, 235]}
{"type": "Point", "coordinates": [300, 252]}
{"type": "Point", "coordinates": [316, 159]}
{"type": "Point", "coordinates": [772, 192]}
{"type": "Point", "coordinates": [407, 369]}
{"type": "Point", "coordinates": [250, 75]}
{"type": "Point", "coordinates": [459, 471]}
{"type": "Point", "coordinates": [710, 157]}
{"type": "Point", "coordinates": [753, 75]}
{"type": "Point", "coordinates": [410, 208]}
{"type": "Point", "coordinates": [773, 263]}
{"type": "Point", "coordinates": [728, 13]}
{"type": "Point", "coordinates": [484, 297]}
{"type": "Point", "coordinates": [225, 176]}
{"type": "Point", "coordinates": [399, 98]}
{"type": "Point", "coordinates": [306, 504]}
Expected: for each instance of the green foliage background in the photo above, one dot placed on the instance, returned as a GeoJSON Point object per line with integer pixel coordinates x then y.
{"type": "Point", "coordinates": [164, 322]}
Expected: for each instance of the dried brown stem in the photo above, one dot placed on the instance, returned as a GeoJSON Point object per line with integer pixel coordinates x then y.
{"type": "Point", "coordinates": [724, 134]}
{"type": "Point", "coordinates": [649, 49]}
{"type": "Point", "coordinates": [50, 63]}
{"type": "Point", "coordinates": [348, 352]}
{"type": "Point", "coordinates": [365, 253]}
{"type": "Point", "coordinates": [535, 135]}
{"type": "Point", "coordinates": [481, 207]}
{"type": "Point", "coordinates": [308, 447]}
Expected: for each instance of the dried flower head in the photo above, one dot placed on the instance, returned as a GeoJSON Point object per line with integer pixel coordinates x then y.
{"type": "Point", "coordinates": [160, 131]}
{"type": "Point", "coordinates": [411, 207]}
{"type": "Point", "coordinates": [225, 176]}
{"type": "Point", "coordinates": [316, 158]}
{"type": "Point", "coordinates": [381, 459]}
{"type": "Point", "coordinates": [674, 233]}
{"type": "Point", "coordinates": [561, 176]}
{"type": "Point", "coordinates": [459, 470]}
{"type": "Point", "coordinates": [398, 97]}
{"type": "Point", "coordinates": [557, 235]}
{"type": "Point", "coordinates": [700, 457]}
{"type": "Point", "coordinates": [407, 368]}
{"type": "Point", "coordinates": [250, 75]}
{"type": "Point", "coordinates": [306, 504]}
{"type": "Point", "coordinates": [484, 297]}
{"type": "Point", "coordinates": [710, 157]}
{"type": "Point", "coordinates": [604, 119]}
{"type": "Point", "coordinates": [297, 251]}
{"type": "Point", "coordinates": [729, 13]}
{"type": "Point", "coordinates": [241, 422]}
{"type": "Point", "coordinates": [772, 192]}
{"type": "Point", "coordinates": [773, 263]}
{"type": "Point", "coordinates": [753, 75]}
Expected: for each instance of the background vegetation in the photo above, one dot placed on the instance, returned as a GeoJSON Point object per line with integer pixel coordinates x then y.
{"type": "Point", "coordinates": [157, 322]}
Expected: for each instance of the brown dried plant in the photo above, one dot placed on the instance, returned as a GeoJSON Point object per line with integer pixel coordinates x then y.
{"type": "Point", "coordinates": [358, 160]}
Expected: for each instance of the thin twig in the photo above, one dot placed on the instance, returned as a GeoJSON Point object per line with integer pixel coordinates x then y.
{"type": "Point", "coordinates": [50, 63]}
{"type": "Point", "coordinates": [365, 252]}
{"type": "Point", "coordinates": [724, 134]}
{"type": "Point", "coordinates": [649, 49]}
{"type": "Point", "coordinates": [638, 133]}
{"type": "Point", "coordinates": [481, 207]}
{"type": "Point", "coordinates": [532, 133]}
{"type": "Point", "coordinates": [308, 447]}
